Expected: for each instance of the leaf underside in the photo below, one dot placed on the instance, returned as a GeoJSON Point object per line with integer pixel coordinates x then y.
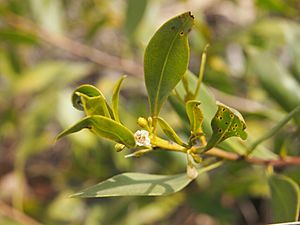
{"type": "Point", "coordinates": [136, 184]}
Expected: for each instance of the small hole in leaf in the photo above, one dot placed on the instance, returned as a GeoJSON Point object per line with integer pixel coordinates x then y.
{"type": "Point", "coordinates": [181, 33]}
{"type": "Point", "coordinates": [223, 109]}
{"type": "Point", "coordinates": [233, 128]}
{"type": "Point", "coordinates": [220, 117]}
{"type": "Point", "coordinates": [231, 115]}
{"type": "Point", "coordinates": [226, 123]}
{"type": "Point", "coordinates": [220, 130]}
{"type": "Point", "coordinates": [235, 125]}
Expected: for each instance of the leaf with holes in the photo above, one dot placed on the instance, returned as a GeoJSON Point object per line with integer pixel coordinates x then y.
{"type": "Point", "coordinates": [166, 59]}
{"type": "Point", "coordinates": [226, 123]}
{"type": "Point", "coordinates": [89, 99]}
{"type": "Point", "coordinates": [103, 127]}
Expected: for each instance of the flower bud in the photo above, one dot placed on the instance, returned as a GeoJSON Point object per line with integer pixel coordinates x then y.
{"type": "Point", "coordinates": [142, 122]}
{"type": "Point", "coordinates": [119, 147]}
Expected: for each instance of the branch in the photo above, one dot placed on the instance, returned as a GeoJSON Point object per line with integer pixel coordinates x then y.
{"type": "Point", "coordinates": [253, 160]}
{"type": "Point", "coordinates": [16, 215]}
{"type": "Point", "coordinates": [75, 48]}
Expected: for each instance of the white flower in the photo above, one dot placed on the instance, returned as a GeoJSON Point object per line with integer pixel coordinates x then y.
{"type": "Point", "coordinates": [142, 138]}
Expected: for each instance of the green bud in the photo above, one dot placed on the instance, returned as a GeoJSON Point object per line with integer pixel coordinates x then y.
{"type": "Point", "coordinates": [119, 147]}
{"type": "Point", "coordinates": [143, 123]}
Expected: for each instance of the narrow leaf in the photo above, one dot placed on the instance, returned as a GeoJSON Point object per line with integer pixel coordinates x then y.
{"type": "Point", "coordinates": [141, 184]}
{"type": "Point", "coordinates": [226, 123]}
{"type": "Point", "coordinates": [103, 127]}
{"type": "Point", "coordinates": [136, 184]}
{"type": "Point", "coordinates": [168, 130]}
{"type": "Point", "coordinates": [275, 129]}
{"type": "Point", "coordinates": [115, 99]}
{"type": "Point", "coordinates": [166, 59]}
{"type": "Point", "coordinates": [134, 14]}
{"type": "Point", "coordinates": [280, 85]}
{"type": "Point", "coordinates": [195, 116]}
{"type": "Point", "coordinates": [285, 199]}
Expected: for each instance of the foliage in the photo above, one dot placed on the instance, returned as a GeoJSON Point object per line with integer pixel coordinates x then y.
{"type": "Point", "coordinates": [184, 147]}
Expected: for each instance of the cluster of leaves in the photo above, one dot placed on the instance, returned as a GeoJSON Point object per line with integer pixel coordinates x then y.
{"type": "Point", "coordinates": [165, 65]}
{"type": "Point", "coordinates": [250, 62]}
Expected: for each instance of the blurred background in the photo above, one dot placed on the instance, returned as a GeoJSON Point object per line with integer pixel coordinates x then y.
{"type": "Point", "coordinates": [48, 47]}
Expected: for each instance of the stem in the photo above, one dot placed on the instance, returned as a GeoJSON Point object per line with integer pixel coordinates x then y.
{"type": "Point", "coordinates": [185, 83]}
{"type": "Point", "coordinates": [201, 70]}
{"type": "Point", "coordinates": [274, 130]}
{"type": "Point", "coordinates": [253, 160]}
{"type": "Point", "coordinates": [212, 166]}
{"type": "Point", "coordinates": [166, 145]}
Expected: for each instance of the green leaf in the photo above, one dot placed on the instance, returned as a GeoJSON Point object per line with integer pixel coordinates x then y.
{"type": "Point", "coordinates": [136, 184]}
{"type": "Point", "coordinates": [89, 99]}
{"type": "Point", "coordinates": [168, 130]}
{"type": "Point", "coordinates": [285, 199]}
{"type": "Point", "coordinates": [276, 81]}
{"type": "Point", "coordinates": [134, 13]}
{"type": "Point", "coordinates": [166, 59]}
{"type": "Point", "coordinates": [14, 36]}
{"type": "Point", "coordinates": [195, 116]}
{"type": "Point", "coordinates": [226, 123]}
{"type": "Point", "coordinates": [115, 99]}
{"type": "Point", "coordinates": [209, 109]}
{"type": "Point", "coordinates": [141, 184]}
{"type": "Point", "coordinates": [103, 127]}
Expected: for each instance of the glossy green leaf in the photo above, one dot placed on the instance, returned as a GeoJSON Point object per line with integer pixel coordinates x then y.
{"type": "Point", "coordinates": [136, 184]}
{"type": "Point", "coordinates": [166, 59]}
{"type": "Point", "coordinates": [89, 99]}
{"type": "Point", "coordinates": [226, 123]}
{"type": "Point", "coordinates": [168, 130]}
{"type": "Point", "coordinates": [115, 99]}
{"type": "Point", "coordinates": [195, 116]}
{"type": "Point", "coordinates": [103, 127]}
{"type": "Point", "coordinates": [285, 199]}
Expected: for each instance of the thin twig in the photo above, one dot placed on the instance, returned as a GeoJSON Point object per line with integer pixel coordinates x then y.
{"type": "Point", "coordinates": [274, 130]}
{"type": "Point", "coordinates": [16, 215]}
{"type": "Point", "coordinates": [253, 160]}
{"type": "Point", "coordinates": [74, 47]}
